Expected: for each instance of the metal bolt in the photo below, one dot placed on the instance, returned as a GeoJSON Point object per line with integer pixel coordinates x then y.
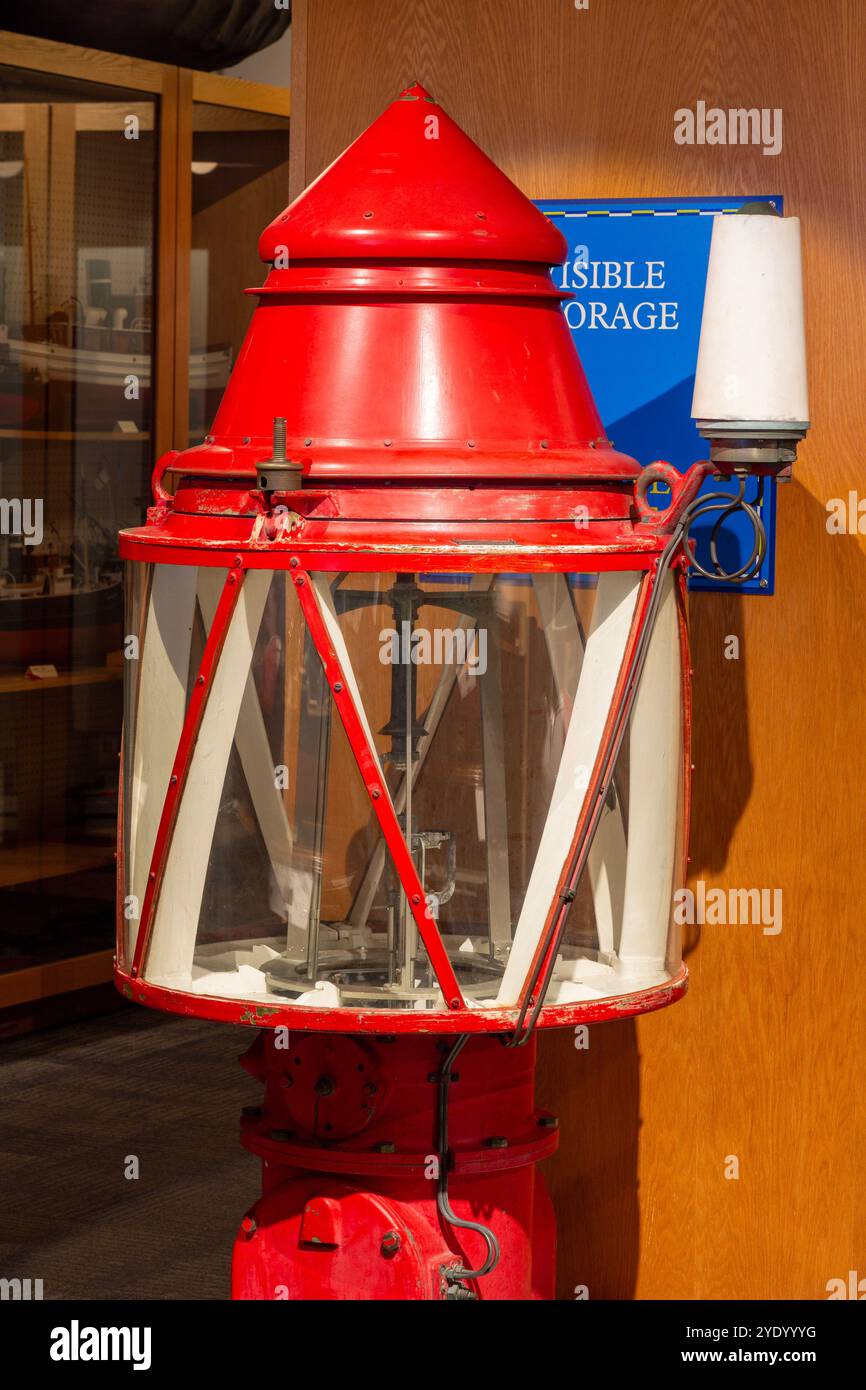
{"type": "Point", "coordinates": [370, 1089]}
{"type": "Point", "coordinates": [470, 443]}
{"type": "Point", "coordinates": [199, 680]}
{"type": "Point", "coordinates": [548, 1122]}
{"type": "Point", "coordinates": [282, 1136]}
{"type": "Point", "coordinates": [391, 1243]}
{"type": "Point", "coordinates": [293, 563]}
{"type": "Point", "coordinates": [299, 580]}
{"type": "Point", "coordinates": [387, 443]}
{"type": "Point", "coordinates": [496, 1141]}
{"type": "Point", "coordinates": [338, 686]}
{"type": "Point", "coordinates": [544, 444]}
{"type": "Point", "coordinates": [325, 1086]}
{"type": "Point", "coordinates": [415, 899]}
{"type": "Point", "coordinates": [174, 779]}
{"type": "Point", "coordinates": [375, 793]}
{"type": "Point", "coordinates": [252, 1112]}
{"type": "Point", "coordinates": [232, 579]}
{"type": "Point", "coordinates": [368, 214]}
{"type": "Point", "coordinates": [386, 1147]}
{"type": "Point", "coordinates": [249, 1225]}
{"type": "Point", "coordinates": [307, 443]}
{"type": "Point", "coordinates": [286, 1082]}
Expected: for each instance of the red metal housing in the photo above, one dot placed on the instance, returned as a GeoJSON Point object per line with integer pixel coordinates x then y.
{"type": "Point", "coordinates": [409, 350]}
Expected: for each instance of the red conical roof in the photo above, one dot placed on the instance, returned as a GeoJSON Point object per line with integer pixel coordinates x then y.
{"type": "Point", "coordinates": [413, 186]}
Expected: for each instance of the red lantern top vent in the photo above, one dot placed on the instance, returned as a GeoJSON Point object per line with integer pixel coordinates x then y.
{"type": "Point", "coordinates": [413, 186]}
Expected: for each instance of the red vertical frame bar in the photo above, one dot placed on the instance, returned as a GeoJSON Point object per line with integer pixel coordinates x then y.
{"type": "Point", "coordinates": [368, 766]}
{"type": "Point", "coordinates": [183, 757]}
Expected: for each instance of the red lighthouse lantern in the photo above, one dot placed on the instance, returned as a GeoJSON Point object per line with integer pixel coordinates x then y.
{"type": "Point", "coordinates": [406, 769]}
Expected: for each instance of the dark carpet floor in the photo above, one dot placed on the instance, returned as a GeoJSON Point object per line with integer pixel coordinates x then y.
{"type": "Point", "coordinates": [75, 1104]}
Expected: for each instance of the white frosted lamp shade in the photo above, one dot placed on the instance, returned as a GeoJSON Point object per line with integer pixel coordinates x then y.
{"type": "Point", "coordinates": [751, 371]}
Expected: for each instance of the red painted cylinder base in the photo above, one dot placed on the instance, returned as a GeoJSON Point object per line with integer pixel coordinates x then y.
{"type": "Point", "coordinates": [348, 1140]}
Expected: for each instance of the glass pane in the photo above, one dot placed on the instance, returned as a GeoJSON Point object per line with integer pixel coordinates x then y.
{"type": "Point", "coordinates": [77, 199]}
{"type": "Point", "coordinates": [485, 698]}
{"type": "Point", "coordinates": [171, 608]}
{"type": "Point", "coordinates": [619, 933]}
{"type": "Point", "coordinates": [240, 176]}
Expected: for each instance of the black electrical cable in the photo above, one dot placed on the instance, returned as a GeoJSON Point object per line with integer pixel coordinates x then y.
{"type": "Point", "coordinates": [457, 1273]}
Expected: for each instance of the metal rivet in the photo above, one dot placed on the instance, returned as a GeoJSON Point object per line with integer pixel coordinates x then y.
{"type": "Point", "coordinates": [470, 443]}
{"type": "Point", "coordinates": [368, 214]}
{"type": "Point", "coordinates": [415, 899]}
{"type": "Point", "coordinates": [293, 563]}
{"type": "Point", "coordinates": [307, 443]}
{"type": "Point", "coordinates": [453, 1004]}
{"type": "Point", "coordinates": [152, 875]}
{"type": "Point", "coordinates": [482, 215]}
{"type": "Point", "coordinates": [375, 793]}
{"type": "Point", "coordinates": [174, 779]}
{"type": "Point", "coordinates": [387, 443]}
{"type": "Point", "coordinates": [199, 680]}
{"type": "Point", "coordinates": [282, 1136]}
{"type": "Point", "coordinates": [299, 579]}
{"type": "Point", "coordinates": [548, 1122]}
{"type": "Point", "coordinates": [496, 1141]}
{"type": "Point", "coordinates": [232, 579]}
{"type": "Point", "coordinates": [544, 444]}
{"type": "Point", "coordinates": [338, 686]}
{"type": "Point", "coordinates": [386, 1147]}
{"type": "Point", "coordinates": [246, 439]}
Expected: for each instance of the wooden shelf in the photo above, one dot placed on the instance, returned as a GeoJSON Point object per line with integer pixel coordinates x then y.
{"type": "Point", "coordinates": [94, 675]}
{"type": "Point", "coordinates": [55, 977]}
{"type": "Point", "coordinates": [78, 436]}
{"type": "Point", "coordinates": [29, 863]}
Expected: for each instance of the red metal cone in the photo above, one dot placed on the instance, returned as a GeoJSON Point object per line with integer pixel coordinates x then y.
{"type": "Point", "coordinates": [414, 185]}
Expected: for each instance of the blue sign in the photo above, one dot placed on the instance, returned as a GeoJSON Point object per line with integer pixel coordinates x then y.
{"type": "Point", "coordinates": [637, 268]}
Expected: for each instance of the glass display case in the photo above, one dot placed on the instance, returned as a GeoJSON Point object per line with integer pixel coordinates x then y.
{"type": "Point", "coordinates": [123, 200]}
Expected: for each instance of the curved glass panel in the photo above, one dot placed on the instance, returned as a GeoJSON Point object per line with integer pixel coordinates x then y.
{"type": "Point", "coordinates": [483, 699]}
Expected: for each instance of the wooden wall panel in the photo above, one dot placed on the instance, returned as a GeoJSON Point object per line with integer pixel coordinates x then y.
{"type": "Point", "coordinates": [762, 1058]}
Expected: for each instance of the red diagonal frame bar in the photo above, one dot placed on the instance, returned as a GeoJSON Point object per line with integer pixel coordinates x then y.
{"type": "Point", "coordinates": [183, 757]}
{"type": "Point", "coordinates": [368, 766]}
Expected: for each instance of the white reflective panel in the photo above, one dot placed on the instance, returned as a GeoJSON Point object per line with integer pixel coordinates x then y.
{"type": "Point", "coordinates": [483, 698]}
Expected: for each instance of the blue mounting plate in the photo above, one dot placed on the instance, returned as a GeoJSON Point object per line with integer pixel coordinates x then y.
{"type": "Point", "coordinates": [637, 268]}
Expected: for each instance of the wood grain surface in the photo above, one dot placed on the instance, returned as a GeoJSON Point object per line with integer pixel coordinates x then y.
{"type": "Point", "coordinates": [762, 1059]}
